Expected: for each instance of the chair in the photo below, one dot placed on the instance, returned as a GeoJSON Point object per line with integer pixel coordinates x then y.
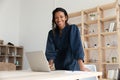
{"type": "Point", "coordinates": [92, 68]}
{"type": "Point", "coordinates": [7, 66]}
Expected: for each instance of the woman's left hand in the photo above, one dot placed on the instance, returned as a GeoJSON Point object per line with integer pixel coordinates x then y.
{"type": "Point", "coordinates": [82, 67]}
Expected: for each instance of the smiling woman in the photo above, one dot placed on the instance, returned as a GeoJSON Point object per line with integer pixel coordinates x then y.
{"type": "Point", "coordinates": [64, 48]}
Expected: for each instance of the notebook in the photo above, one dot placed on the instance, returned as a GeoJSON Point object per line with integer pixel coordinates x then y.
{"type": "Point", "coordinates": [37, 61]}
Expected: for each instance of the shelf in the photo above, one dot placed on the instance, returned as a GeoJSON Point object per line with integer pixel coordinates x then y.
{"type": "Point", "coordinates": [21, 47]}
{"type": "Point", "coordinates": [91, 63]}
{"type": "Point", "coordinates": [91, 48]}
{"type": "Point", "coordinates": [80, 24]}
{"type": "Point", "coordinates": [2, 55]}
{"type": "Point", "coordinates": [108, 6]}
{"type": "Point", "coordinates": [18, 56]}
{"type": "Point", "coordinates": [100, 31]}
{"type": "Point", "coordinates": [110, 63]}
{"type": "Point", "coordinates": [91, 10]}
{"type": "Point", "coordinates": [75, 14]}
{"type": "Point", "coordinates": [2, 45]}
{"type": "Point", "coordinates": [111, 47]}
{"type": "Point", "coordinates": [18, 65]}
{"type": "Point", "coordinates": [91, 35]}
{"type": "Point", "coordinates": [12, 54]}
{"type": "Point", "coordinates": [105, 79]}
{"type": "Point", "coordinates": [10, 46]}
{"type": "Point", "coordinates": [108, 33]}
{"type": "Point", "coordinates": [91, 22]}
{"type": "Point", "coordinates": [110, 18]}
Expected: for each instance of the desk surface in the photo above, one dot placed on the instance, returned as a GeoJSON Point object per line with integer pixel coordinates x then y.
{"type": "Point", "coordinates": [53, 75]}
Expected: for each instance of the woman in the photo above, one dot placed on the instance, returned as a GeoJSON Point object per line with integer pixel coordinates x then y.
{"type": "Point", "coordinates": [64, 47]}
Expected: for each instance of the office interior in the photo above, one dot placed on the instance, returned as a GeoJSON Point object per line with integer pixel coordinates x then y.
{"type": "Point", "coordinates": [26, 23]}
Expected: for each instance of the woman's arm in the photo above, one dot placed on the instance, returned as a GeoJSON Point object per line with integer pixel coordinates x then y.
{"type": "Point", "coordinates": [82, 67]}
{"type": "Point", "coordinates": [50, 50]}
{"type": "Point", "coordinates": [76, 46]}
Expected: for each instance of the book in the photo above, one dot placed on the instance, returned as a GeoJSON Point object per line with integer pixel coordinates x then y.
{"type": "Point", "coordinates": [111, 27]}
{"type": "Point", "coordinates": [110, 74]}
{"type": "Point", "coordinates": [113, 74]}
{"type": "Point", "coordinates": [85, 44]}
{"type": "Point", "coordinates": [118, 77]}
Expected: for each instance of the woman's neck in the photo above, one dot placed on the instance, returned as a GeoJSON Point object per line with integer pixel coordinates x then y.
{"type": "Point", "coordinates": [61, 27]}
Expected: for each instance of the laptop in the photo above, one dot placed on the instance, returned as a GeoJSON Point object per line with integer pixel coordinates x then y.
{"type": "Point", "coordinates": [37, 61]}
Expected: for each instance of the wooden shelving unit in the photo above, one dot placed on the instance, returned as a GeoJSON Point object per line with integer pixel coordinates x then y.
{"type": "Point", "coordinates": [12, 54]}
{"type": "Point", "coordinates": [102, 43]}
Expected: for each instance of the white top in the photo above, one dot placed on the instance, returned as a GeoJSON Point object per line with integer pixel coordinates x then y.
{"type": "Point", "coordinates": [53, 75]}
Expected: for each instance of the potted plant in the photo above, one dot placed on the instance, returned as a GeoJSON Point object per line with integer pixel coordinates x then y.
{"type": "Point", "coordinates": [92, 16]}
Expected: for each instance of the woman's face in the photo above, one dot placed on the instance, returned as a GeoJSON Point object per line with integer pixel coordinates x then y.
{"type": "Point", "coordinates": [60, 19]}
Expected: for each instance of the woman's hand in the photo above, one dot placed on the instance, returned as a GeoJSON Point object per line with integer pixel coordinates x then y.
{"type": "Point", "coordinates": [82, 67]}
{"type": "Point", "coordinates": [51, 65]}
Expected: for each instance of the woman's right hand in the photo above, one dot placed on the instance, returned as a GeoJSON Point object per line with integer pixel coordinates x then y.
{"type": "Point", "coordinates": [51, 65]}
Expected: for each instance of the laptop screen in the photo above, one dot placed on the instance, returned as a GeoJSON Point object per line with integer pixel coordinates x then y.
{"type": "Point", "coordinates": [37, 61]}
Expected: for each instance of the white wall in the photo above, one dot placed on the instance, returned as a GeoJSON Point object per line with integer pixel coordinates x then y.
{"type": "Point", "coordinates": [35, 22]}
{"type": "Point", "coordinates": [9, 21]}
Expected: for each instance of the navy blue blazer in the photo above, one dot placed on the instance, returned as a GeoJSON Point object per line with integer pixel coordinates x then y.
{"type": "Point", "coordinates": [65, 49]}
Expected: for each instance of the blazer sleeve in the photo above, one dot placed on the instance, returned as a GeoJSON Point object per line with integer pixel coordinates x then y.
{"type": "Point", "coordinates": [75, 43]}
{"type": "Point", "coordinates": [50, 47]}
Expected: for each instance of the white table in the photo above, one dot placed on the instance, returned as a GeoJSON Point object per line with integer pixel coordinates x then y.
{"type": "Point", "coordinates": [53, 75]}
